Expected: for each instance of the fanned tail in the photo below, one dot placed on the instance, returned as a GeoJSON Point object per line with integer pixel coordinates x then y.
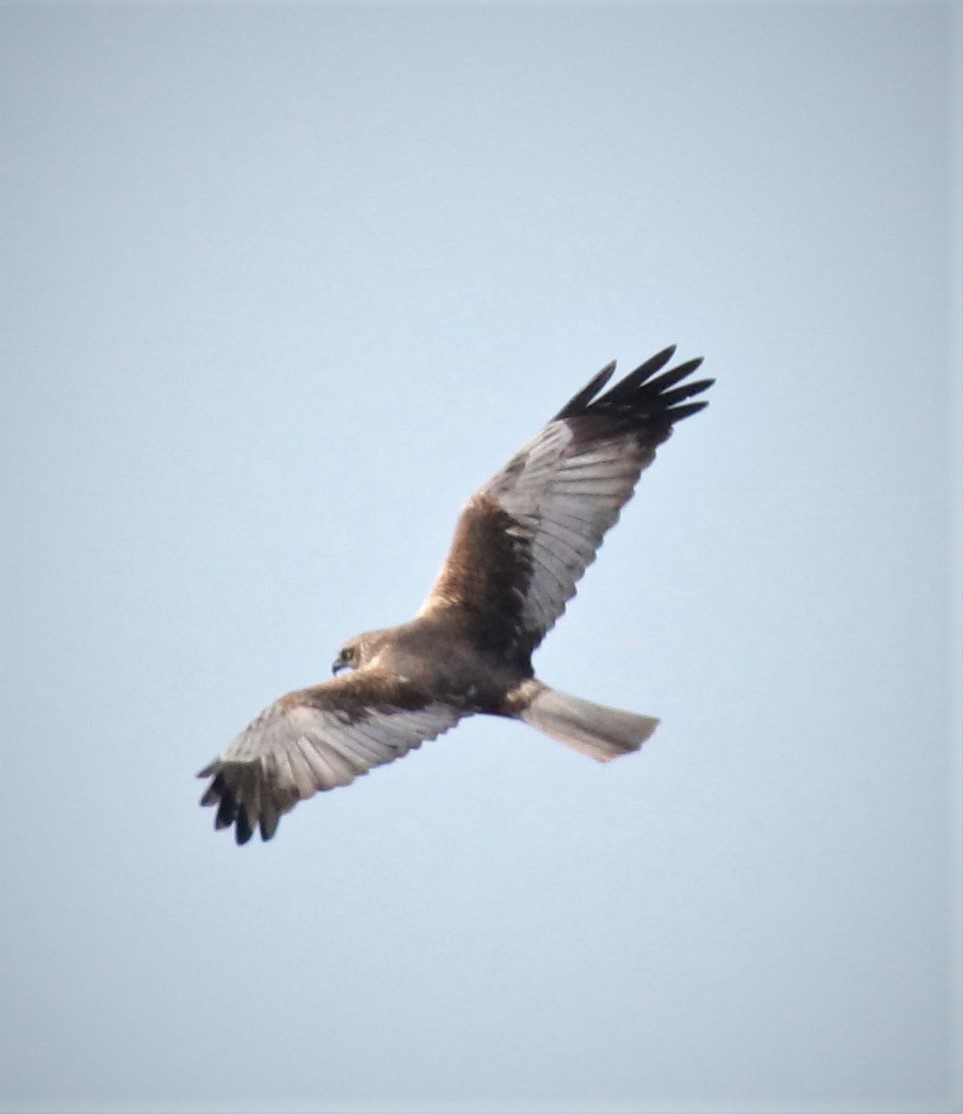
{"type": "Point", "coordinates": [601, 732]}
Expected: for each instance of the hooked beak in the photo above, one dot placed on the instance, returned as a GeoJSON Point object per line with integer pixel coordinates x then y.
{"type": "Point", "coordinates": [338, 666]}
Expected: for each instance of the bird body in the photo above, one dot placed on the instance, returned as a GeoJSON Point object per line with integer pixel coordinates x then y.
{"type": "Point", "coordinates": [521, 544]}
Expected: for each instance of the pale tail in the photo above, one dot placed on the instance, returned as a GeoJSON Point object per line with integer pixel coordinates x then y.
{"type": "Point", "coordinates": [602, 733]}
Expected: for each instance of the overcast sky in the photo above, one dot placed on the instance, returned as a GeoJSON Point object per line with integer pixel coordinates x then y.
{"type": "Point", "coordinates": [281, 287]}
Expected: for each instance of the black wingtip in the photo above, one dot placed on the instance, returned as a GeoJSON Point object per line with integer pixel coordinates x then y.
{"type": "Point", "coordinates": [242, 827]}
{"type": "Point", "coordinates": [647, 397]}
{"type": "Point", "coordinates": [232, 810]}
{"type": "Point", "coordinates": [645, 371]}
{"type": "Point", "coordinates": [663, 357]}
{"type": "Point", "coordinates": [577, 403]}
{"type": "Point", "coordinates": [226, 812]}
{"type": "Point", "coordinates": [680, 394]}
{"type": "Point", "coordinates": [679, 413]}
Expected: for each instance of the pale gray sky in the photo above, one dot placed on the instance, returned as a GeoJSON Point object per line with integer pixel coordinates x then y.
{"type": "Point", "coordinates": [281, 287]}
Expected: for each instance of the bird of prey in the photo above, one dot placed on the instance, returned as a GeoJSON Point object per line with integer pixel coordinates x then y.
{"type": "Point", "coordinates": [521, 543]}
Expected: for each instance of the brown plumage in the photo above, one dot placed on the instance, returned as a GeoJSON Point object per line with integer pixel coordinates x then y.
{"type": "Point", "coordinates": [520, 546]}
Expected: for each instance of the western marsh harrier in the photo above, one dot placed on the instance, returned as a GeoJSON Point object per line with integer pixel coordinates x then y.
{"type": "Point", "coordinates": [521, 544]}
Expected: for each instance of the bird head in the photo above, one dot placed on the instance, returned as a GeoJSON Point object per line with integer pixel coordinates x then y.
{"type": "Point", "coordinates": [349, 656]}
{"type": "Point", "coordinates": [357, 651]}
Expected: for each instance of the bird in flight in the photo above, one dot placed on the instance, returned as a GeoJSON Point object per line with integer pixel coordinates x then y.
{"type": "Point", "coordinates": [521, 543]}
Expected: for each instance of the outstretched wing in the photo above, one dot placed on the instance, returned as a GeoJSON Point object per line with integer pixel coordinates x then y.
{"type": "Point", "coordinates": [316, 739]}
{"type": "Point", "coordinates": [525, 538]}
